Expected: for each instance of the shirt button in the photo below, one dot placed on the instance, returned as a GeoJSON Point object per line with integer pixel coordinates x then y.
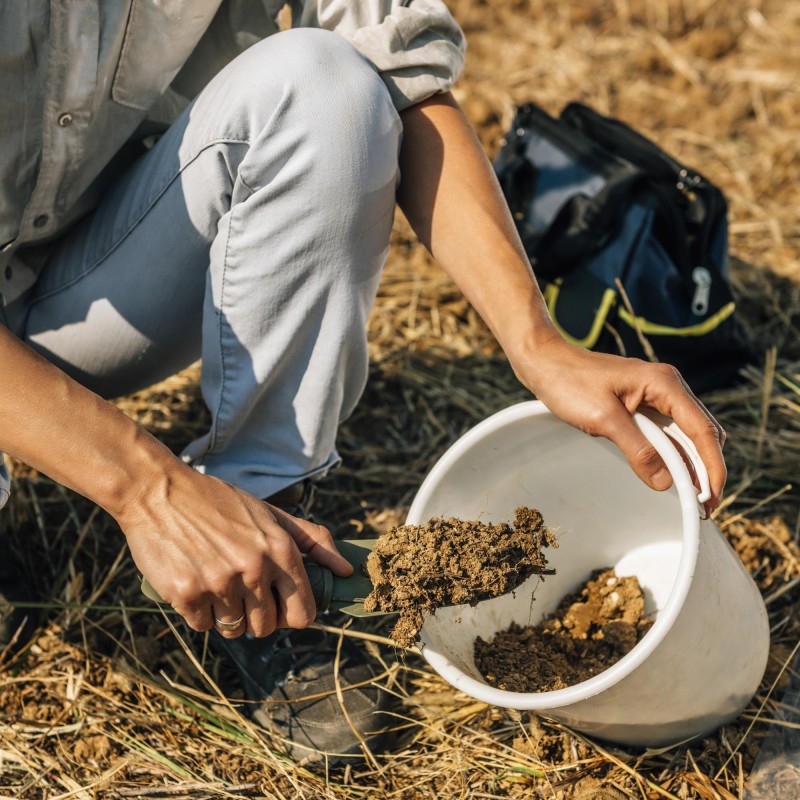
{"type": "Point", "coordinates": [9, 273]}
{"type": "Point", "coordinates": [65, 120]}
{"type": "Point", "coordinates": [41, 221]}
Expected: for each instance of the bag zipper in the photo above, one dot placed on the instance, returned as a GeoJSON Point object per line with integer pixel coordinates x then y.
{"type": "Point", "coordinates": [615, 136]}
{"type": "Point", "coordinates": [572, 140]}
{"type": "Point", "coordinates": [703, 203]}
{"type": "Point", "coordinates": [702, 281]}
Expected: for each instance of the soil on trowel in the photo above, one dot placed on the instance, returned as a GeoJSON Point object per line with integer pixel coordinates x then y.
{"type": "Point", "coordinates": [416, 569]}
{"type": "Point", "coordinates": [589, 631]}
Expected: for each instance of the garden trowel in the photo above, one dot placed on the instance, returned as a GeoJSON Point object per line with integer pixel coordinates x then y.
{"type": "Point", "coordinates": [331, 593]}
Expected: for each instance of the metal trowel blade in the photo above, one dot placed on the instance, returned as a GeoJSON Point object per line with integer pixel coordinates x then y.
{"type": "Point", "coordinates": [349, 593]}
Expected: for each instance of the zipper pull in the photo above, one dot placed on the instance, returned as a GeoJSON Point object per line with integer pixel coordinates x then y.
{"type": "Point", "coordinates": [702, 282]}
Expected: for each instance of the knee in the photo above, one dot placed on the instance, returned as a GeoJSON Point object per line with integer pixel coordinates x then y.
{"type": "Point", "coordinates": [328, 83]}
{"type": "Point", "coordinates": [322, 133]}
{"type": "Point", "coordinates": [311, 50]}
{"type": "Point", "coordinates": [311, 57]}
{"type": "Point", "coordinates": [318, 108]}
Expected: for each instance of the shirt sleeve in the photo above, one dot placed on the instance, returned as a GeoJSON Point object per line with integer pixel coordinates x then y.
{"type": "Point", "coordinates": [415, 45]}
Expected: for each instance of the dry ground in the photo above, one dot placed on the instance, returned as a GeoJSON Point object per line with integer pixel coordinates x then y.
{"type": "Point", "coordinates": [106, 703]}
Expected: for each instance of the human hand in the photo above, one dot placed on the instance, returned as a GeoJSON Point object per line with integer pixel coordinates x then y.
{"type": "Point", "coordinates": [598, 393]}
{"type": "Point", "coordinates": [212, 552]}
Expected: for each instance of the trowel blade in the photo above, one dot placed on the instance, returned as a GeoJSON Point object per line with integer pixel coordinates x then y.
{"type": "Point", "coordinates": [349, 593]}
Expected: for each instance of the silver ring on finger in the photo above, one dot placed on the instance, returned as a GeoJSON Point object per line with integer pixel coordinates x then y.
{"type": "Point", "coordinates": [221, 625]}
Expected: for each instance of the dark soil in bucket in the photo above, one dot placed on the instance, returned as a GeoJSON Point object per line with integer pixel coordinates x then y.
{"type": "Point", "coordinates": [590, 630]}
{"type": "Point", "coordinates": [416, 569]}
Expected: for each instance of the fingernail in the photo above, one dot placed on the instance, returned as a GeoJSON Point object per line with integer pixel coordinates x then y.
{"type": "Point", "coordinates": [661, 480]}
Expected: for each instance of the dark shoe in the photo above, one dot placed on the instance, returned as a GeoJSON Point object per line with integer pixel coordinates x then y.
{"type": "Point", "coordinates": [291, 679]}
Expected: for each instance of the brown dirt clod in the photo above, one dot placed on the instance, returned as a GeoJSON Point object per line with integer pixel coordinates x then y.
{"type": "Point", "coordinates": [589, 631]}
{"type": "Point", "coordinates": [416, 569]}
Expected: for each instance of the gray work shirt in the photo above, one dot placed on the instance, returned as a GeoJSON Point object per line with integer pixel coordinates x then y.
{"type": "Point", "coordinates": [80, 78]}
{"type": "Point", "coordinates": [81, 81]}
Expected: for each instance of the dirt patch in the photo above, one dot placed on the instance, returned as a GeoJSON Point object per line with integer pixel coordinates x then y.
{"type": "Point", "coordinates": [416, 569]}
{"type": "Point", "coordinates": [589, 631]}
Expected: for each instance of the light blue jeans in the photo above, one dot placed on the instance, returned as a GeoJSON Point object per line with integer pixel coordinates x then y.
{"type": "Point", "coordinates": [252, 235]}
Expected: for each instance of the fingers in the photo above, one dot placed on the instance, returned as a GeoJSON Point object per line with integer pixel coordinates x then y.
{"type": "Point", "coordinates": [674, 398]}
{"type": "Point", "coordinates": [275, 590]}
{"type": "Point", "coordinates": [598, 393]}
{"type": "Point", "coordinates": [283, 599]}
{"type": "Point", "coordinates": [619, 427]}
{"type": "Point", "coordinates": [278, 595]}
{"type": "Point", "coordinates": [708, 441]}
{"type": "Point", "coordinates": [224, 554]}
{"type": "Point", "coordinates": [289, 584]}
{"type": "Point", "coordinates": [206, 610]}
{"type": "Point", "coordinates": [272, 592]}
{"type": "Point", "coordinates": [199, 617]}
{"type": "Point", "coordinates": [230, 618]}
{"type": "Point", "coordinates": [314, 541]}
{"type": "Point", "coordinates": [295, 609]}
{"type": "Point", "coordinates": [262, 613]}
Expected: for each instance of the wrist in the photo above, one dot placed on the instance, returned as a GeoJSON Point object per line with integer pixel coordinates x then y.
{"type": "Point", "coordinates": [536, 354]}
{"type": "Point", "coordinates": [521, 322]}
{"type": "Point", "coordinates": [138, 469]}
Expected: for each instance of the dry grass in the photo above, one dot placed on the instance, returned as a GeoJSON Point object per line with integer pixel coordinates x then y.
{"type": "Point", "coordinates": [106, 703]}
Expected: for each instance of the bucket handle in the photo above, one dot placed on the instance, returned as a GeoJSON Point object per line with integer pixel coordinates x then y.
{"type": "Point", "coordinates": [686, 445]}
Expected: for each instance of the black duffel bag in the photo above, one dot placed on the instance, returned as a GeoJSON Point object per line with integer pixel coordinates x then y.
{"type": "Point", "coordinates": [631, 247]}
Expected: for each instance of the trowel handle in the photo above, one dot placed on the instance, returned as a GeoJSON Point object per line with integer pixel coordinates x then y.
{"type": "Point", "coordinates": [320, 578]}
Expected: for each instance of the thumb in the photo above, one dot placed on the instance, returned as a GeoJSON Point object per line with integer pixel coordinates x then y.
{"type": "Point", "coordinates": [643, 458]}
{"type": "Point", "coordinates": [314, 541]}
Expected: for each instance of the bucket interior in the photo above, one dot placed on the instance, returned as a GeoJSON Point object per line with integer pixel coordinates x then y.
{"type": "Point", "coordinates": [603, 515]}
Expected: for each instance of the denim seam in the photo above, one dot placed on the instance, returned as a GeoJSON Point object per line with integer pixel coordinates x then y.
{"type": "Point", "coordinates": [159, 194]}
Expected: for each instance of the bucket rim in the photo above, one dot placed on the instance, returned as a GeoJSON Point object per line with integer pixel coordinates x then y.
{"type": "Point", "coordinates": [559, 698]}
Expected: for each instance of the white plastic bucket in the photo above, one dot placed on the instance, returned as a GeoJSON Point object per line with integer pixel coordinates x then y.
{"type": "Point", "coordinates": [704, 657]}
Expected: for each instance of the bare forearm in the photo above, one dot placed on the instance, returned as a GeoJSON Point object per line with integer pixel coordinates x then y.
{"type": "Point", "coordinates": [55, 425]}
{"type": "Point", "coordinates": [204, 545]}
{"type": "Point", "coordinates": [452, 199]}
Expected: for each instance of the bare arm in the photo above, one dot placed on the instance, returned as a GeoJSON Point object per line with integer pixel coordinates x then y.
{"type": "Point", "coordinates": [452, 200]}
{"type": "Point", "coordinates": [205, 546]}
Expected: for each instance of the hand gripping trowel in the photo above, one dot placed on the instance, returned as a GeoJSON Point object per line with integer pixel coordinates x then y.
{"type": "Point", "coordinates": [331, 593]}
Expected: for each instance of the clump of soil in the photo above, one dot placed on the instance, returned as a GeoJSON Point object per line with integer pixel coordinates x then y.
{"type": "Point", "coordinates": [416, 569]}
{"type": "Point", "coordinates": [589, 631]}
